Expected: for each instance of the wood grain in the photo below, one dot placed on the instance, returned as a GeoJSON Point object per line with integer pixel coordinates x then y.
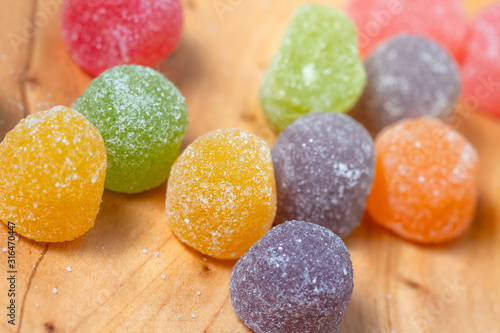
{"type": "Point", "coordinates": [115, 287]}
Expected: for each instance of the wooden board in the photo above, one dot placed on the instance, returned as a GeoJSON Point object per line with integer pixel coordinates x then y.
{"type": "Point", "coordinates": [114, 286]}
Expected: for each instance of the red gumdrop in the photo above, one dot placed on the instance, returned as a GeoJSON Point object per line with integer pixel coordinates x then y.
{"type": "Point", "coordinates": [444, 21]}
{"type": "Point", "coordinates": [481, 69]}
{"type": "Point", "coordinates": [101, 34]}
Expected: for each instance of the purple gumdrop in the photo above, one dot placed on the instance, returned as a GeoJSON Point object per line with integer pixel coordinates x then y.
{"type": "Point", "coordinates": [297, 278]}
{"type": "Point", "coordinates": [408, 77]}
{"type": "Point", "coordinates": [324, 165]}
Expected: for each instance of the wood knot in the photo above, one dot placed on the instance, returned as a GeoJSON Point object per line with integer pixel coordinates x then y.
{"type": "Point", "coordinates": [191, 4]}
{"type": "Point", "coordinates": [49, 327]}
{"type": "Point", "coordinates": [415, 285]}
{"type": "Point", "coordinates": [206, 270]}
{"type": "Point", "coordinates": [248, 117]}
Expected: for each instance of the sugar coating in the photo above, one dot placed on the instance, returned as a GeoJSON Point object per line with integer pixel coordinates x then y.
{"type": "Point", "coordinates": [317, 67]}
{"type": "Point", "coordinates": [52, 171]}
{"type": "Point", "coordinates": [408, 77]}
{"type": "Point", "coordinates": [425, 187]}
{"type": "Point", "coordinates": [221, 194]}
{"type": "Point", "coordinates": [142, 117]}
{"type": "Point", "coordinates": [101, 34]}
{"type": "Point", "coordinates": [297, 278]}
{"type": "Point", "coordinates": [444, 21]}
{"type": "Point", "coordinates": [481, 70]}
{"type": "Point", "coordinates": [324, 165]}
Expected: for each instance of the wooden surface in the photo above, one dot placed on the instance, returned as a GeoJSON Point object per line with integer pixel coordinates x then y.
{"type": "Point", "coordinates": [114, 286]}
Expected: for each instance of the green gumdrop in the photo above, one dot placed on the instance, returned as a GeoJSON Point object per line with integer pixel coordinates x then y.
{"type": "Point", "coordinates": [316, 69]}
{"type": "Point", "coordinates": [142, 118]}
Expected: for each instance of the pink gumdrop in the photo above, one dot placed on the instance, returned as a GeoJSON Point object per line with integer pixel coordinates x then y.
{"type": "Point", "coordinates": [444, 21]}
{"type": "Point", "coordinates": [101, 34]}
{"type": "Point", "coordinates": [481, 69]}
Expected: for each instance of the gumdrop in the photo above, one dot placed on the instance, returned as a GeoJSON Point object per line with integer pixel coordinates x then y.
{"type": "Point", "coordinates": [444, 21]}
{"type": "Point", "coordinates": [481, 70]}
{"type": "Point", "coordinates": [297, 278]}
{"type": "Point", "coordinates": [142, 118]}
{"type": "Point", "coordinates": [408, 77]}
{"type": "Point", "coordinates": [317, 67]}
{"type": "Point", "coordinates": [324, 165]}
{"type": "Point", "coordinates": [425, 187]}
{"type": "Point", "coordinates": [221, 194]}
{"type": "Point", "coordinates": [52, 170]}
{"type": "Point", "coordinates": [101, 34]}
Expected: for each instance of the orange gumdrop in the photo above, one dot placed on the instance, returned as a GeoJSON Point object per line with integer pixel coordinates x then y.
{"type": "Point", "coordinates": [52, 170]}
{"type": "Point", "coordinates": [425, 187]}
{"type": "Point", "coordinates": [221, 194]}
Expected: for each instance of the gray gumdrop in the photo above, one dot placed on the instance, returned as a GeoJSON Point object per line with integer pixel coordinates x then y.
{"type": "Point", "coordinates": [324, 165]}
{"type": "Point", "coordinates": [408, 77]}
{"type": "Point", "coordinates": [297, 278]}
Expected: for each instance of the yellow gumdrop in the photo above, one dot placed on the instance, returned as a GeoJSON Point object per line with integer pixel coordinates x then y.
{"type": "Point", "coordinates": [52, 170]}
{"type": "Point", "coordinates": [221, 194]}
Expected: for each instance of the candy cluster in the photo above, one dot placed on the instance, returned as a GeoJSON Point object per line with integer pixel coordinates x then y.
{"type": "Point", "coordinates": [227, 188]}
